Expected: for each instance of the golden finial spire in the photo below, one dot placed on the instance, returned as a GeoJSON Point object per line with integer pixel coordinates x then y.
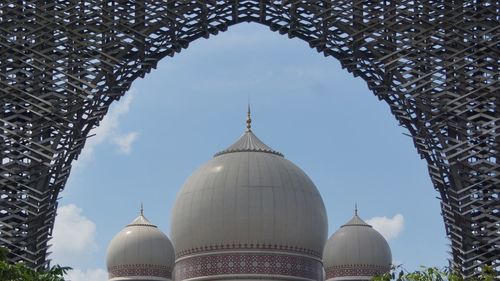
{"type": "Point", "coordinates": [355, 209]}
{"type": "Point", "coordinates": [142, 209]}
{"type": "Point", "coordinates": [249, 119]}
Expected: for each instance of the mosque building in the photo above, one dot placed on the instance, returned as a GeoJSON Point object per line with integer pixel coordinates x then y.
{"type": "Point", "coordinates": [248, 214]}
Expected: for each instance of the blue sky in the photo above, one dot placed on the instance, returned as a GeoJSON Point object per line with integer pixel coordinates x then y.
{"type": "Point", "coordinates": [194, 105]}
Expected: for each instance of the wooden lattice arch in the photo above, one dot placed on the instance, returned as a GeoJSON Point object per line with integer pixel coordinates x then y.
{"type": "Point", "coordinates": [436, 63]}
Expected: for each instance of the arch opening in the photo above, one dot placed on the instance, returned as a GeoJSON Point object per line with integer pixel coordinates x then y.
{"type": "Point", "coordinates": [295, 93]}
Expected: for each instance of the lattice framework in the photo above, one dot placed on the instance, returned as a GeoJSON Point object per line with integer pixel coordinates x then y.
{"type": "Point", "coordinates": [436, 63]}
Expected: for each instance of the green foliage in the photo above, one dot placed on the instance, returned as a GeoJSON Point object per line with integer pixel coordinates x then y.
{"type": "Point", "coordinates": [3, 254]}
{"type": "Point", "coordinates": [20, 272]}
{"type": "Point", "coordinates": [433, 274]}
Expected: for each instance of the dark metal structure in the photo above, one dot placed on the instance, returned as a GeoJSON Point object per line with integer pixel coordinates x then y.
{"type": "Point", "coordinates": [436, 63]}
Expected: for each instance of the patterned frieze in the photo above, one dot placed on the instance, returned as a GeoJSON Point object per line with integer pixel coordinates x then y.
{"type": "Point", "coordinates": [241, 265]}
{"type": "Point", "coordinates": [140, 270]}
{"type": "Point", "coordinates": [354, 272]}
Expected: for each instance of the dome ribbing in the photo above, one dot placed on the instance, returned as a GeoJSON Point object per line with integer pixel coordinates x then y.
{"type": "Point", "coordinates": [249, 142]}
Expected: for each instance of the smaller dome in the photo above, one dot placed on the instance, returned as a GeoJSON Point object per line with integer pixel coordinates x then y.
{"type": "Point", "coordinates": [356, 252]}
{"type": "Point", "coordinates": [140, 252]}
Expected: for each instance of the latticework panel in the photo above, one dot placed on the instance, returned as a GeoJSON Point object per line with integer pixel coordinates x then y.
{"type": "Point", "coordinates": [436, 63]}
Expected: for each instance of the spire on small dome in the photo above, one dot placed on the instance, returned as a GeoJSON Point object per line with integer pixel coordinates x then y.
{"type": "Point", "coordinates": [356, 220]}
{"type": "Point", "coordinates": [141, 219]}
{"type": "Point", "coordinates": [249, 119]}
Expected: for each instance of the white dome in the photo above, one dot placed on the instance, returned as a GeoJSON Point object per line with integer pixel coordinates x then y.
{"type": "Point", "coordinates": [356, 252]}
{"type": "Point", "coordinates": [252, 206]}
{"type": "Point", "coordinates": [140, 252]}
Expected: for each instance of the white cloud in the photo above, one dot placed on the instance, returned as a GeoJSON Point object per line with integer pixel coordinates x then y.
{"type": "Point", "coordinates": [73, 236]}
{"type": "Point", "coordinates": [109, 131]}
{"type": "Point", "coordinates": [390, 228]}
{"type": "Point", "coordinates": [88, 275]}
{"type": "Point", "coordinates": [124, 142]}
{"type": "Point", "coordinates": [74, 242]}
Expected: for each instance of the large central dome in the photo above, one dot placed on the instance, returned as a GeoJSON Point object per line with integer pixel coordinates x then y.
{"type": "Point", "coordinates": [249, 213]}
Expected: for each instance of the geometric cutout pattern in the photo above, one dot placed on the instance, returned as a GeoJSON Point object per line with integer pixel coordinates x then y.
{"type": "Point", "coordinates": [435, 63]}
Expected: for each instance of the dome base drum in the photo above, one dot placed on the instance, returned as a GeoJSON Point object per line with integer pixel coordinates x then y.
{"type": "Point", "coordinates": [249, 266]}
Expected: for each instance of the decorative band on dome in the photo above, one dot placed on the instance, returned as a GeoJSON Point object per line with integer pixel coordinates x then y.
{"type": "Point", "coordinates": [355, 270]}
{"type": "Point", "coordinates": [248, 150]}
{"type": "Point", "coordinates": [149, 270]}
{"type": "Point", "coordinates": [150, 225]}
{"type": "Point", "coordinates": [244, 264]}
{"type": "Point", "coordinates": [249, 247]}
